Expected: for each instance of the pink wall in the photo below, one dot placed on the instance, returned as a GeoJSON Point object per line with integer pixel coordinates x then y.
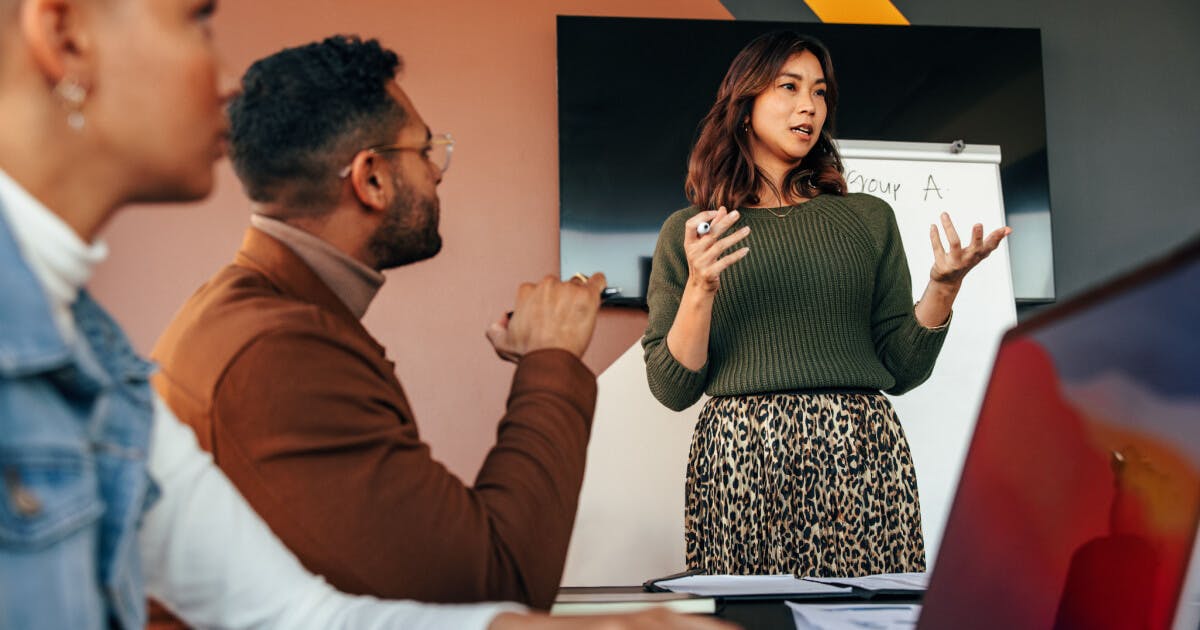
{"type": "Point", "coordinates": [484, 71]}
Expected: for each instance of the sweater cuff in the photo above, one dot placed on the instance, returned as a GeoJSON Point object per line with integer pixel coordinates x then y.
{"type": "Point", "coordinates": [674, 385]}
{"type": "Point", "coordinates": [939, 328]}
{"type": "Point", "coordinates": [559, 373]}
{"type": "Point", "coordinates": [674, 371]}
{"type": "Point", "coordinates": [918, 348]}
{"type": "Point", "coordinates": [923, 342]}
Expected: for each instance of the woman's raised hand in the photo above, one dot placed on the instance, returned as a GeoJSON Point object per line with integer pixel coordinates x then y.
{"type": "Point", "coordinates": [706, 253]}
{"type": "Point", "coordinates": [950, 265]}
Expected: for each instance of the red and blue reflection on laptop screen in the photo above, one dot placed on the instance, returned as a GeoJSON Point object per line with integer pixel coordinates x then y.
{"type": "Point", "coordinates": [1080, 495]}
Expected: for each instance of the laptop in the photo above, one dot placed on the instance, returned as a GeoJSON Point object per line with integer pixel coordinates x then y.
{"type": "Point", "coordinates": [1079, 499]}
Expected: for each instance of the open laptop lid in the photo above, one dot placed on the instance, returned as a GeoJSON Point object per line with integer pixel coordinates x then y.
{"type": "Point", "coordinates": [1080, 495]}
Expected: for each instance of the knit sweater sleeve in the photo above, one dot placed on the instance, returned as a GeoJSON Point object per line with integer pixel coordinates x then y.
{"type": "Point", "coordinates": [672, 384]}
{"type": "Point", "coordinates": [906, 348]}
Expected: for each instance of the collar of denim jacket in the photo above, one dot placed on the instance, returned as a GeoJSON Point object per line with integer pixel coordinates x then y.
{"type": "Point", "coordinates": [43, 265]}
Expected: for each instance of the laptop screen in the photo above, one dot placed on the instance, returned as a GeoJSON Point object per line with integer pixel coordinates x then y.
{"type": "Point", "coordinates": [1080, 494]}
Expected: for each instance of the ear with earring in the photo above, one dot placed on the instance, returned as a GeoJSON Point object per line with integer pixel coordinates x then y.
{"type": "Point", "coordinates": [73, 94]}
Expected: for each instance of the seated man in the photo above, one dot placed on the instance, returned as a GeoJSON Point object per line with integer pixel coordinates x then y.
{"type": "Point", "coordinates": [299, 405]}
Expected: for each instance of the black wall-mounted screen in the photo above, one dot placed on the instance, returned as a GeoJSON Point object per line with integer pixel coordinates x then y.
{"type": "Point", "coordinates": [632, 92]}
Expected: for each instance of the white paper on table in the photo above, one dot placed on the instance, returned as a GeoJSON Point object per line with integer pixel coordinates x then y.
{"type": "Point", "coordinates": [749, 585]}
{"type": "Point", "coordinates": [883, 581]}
{"type": "Point", "coordinates": [855, 616]}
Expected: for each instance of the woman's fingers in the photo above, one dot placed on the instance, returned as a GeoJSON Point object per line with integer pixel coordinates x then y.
{"type": "Point", "coordinates": [702, 249]}
{"type": "Point", "coordinates": [954, 261]}
{"type": "Point", "coordinates": [935, 239]}
{"type": "Point", "coordinates": [993, 239]}
{"type": "Point", "coordinates": [724, 244]}
{"type": "Point", "coordinates": [718, 221]}
{"type": "Point", "coordinates": [692, 231]}
{"type": "Point", "coordinates": [711, 274]}
{"type": "Point", "coordinates": [951, 233]}
{"type": "Point", "coordinates": [704, 216]}
{"type": "Point", "coordinates": [706, 252]}
{"type": "Point", "coordinates": [723, 222]}
{"type": "Point", "coordinates": [977, 235]}
{"type": "Point", "coordinates": [724, 262]}
{"type": "Point", "coordinates": [716, 249]}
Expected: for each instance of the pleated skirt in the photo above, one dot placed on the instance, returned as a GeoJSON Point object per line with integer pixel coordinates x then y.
{"type": "Point", "coordinates": [812, 484]}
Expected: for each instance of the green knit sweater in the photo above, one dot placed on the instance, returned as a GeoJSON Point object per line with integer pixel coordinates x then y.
{"type": "Point", "coordinates": [824, 299]}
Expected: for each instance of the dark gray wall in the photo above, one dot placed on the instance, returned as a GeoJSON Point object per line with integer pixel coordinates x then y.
{"type": "Point", "coordinates": [1122, 83]}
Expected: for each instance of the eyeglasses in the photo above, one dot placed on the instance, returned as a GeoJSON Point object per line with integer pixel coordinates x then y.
{"type": "Point", "coordinates": [437, 151]}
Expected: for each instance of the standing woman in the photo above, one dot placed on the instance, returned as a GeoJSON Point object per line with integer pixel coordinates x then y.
{"type": "Point", "coordinates": [793, 311]}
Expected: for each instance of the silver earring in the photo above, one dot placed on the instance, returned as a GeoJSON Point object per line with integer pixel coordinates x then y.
{"type": "Point", "coordinates": [73, 94]}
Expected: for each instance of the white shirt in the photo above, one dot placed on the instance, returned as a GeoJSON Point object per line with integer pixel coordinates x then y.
{"type": "Point", "coordinates": [205, 553]}
{"type": "Point", "coordinates": [62, 263]}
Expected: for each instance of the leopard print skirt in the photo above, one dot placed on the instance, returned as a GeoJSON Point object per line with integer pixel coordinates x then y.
{"type": "Point", "coordinates": [818, 484]}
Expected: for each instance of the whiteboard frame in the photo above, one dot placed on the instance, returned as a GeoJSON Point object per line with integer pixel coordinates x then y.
{"type": "Point", "coordinates": [918, 151]}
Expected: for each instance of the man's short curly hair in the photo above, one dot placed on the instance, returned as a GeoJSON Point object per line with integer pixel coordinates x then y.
{"type": "Point", "coordinates": [304, 112]}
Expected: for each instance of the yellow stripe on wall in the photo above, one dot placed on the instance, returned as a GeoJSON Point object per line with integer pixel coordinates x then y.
{"type": "Point", "coordinates": [857, 11]}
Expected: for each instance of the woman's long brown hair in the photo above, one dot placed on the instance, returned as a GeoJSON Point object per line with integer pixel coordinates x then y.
{"type": "Point", "coordinates": [721, 171]}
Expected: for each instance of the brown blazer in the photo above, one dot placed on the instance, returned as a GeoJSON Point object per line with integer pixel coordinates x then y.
{"type": "Point", "coordinates": [302, 410]}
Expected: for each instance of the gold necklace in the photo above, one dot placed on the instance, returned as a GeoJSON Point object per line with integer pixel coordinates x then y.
{"type": "Point", "coordinates": [783, 214]}
{"type": "Point", "coordinates": [780, 215]}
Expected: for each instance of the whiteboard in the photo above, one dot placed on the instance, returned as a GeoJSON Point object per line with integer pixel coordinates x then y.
{"type": "Point", "coordinates": [629, 526]}
{"type": "Point", "coordinates": [920, 181]}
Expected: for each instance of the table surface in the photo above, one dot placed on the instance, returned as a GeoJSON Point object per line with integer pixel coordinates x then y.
{"type": "Point", "coordinates": [758, 614]}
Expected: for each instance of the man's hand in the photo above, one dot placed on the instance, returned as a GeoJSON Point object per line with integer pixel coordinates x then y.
{"type": "Point", "coordinates": [654, 619]}
{"type": "Point", "coordinates": [549, 314]}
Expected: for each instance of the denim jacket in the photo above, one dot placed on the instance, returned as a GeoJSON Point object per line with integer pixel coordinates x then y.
{"type": "Point", "coordinates": [75, 423]}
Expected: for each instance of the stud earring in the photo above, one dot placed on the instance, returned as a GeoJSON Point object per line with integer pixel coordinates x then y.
{"type": "Point", "coordinates": [73, 95]}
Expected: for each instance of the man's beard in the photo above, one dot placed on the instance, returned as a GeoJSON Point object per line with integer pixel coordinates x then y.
{"type": "Point", "coordinates": [409, 232]}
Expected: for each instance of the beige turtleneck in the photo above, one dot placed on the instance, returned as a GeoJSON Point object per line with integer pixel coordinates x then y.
{"type": "Point", "coordinates": [354, 283]}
